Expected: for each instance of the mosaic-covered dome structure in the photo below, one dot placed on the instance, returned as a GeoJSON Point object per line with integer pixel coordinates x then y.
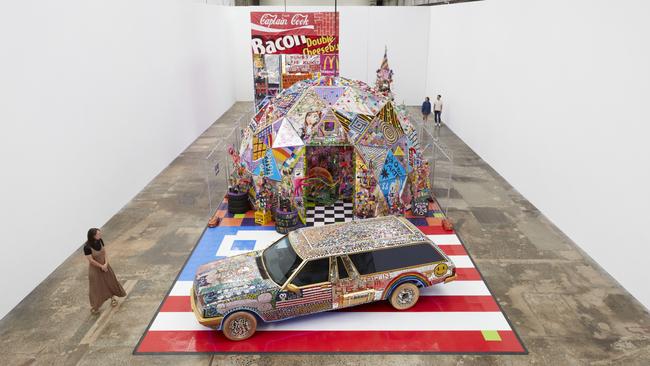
{"type": "Point", "coordinates": [333, 139]}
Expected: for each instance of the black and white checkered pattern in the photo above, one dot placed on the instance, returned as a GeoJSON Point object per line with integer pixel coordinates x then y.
{"type": "Point", "coordinates": [322, 215]}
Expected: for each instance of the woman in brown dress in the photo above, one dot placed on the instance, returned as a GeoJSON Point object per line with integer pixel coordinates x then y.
{"type": "Point", "coordinates": [102, 280]}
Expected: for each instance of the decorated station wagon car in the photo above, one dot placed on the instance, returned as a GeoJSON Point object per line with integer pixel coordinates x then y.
{"type": "Point", "coordinates": [318, 269]}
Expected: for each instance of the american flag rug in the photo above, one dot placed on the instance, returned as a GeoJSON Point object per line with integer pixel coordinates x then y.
{"type": "Point", "coordinates": [458, 317]}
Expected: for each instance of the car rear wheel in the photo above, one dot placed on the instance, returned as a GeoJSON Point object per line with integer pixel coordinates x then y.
{"type": "Point", "coordinates": [405, 296]}
{"type": "Point", "coordinates": [239, 326]}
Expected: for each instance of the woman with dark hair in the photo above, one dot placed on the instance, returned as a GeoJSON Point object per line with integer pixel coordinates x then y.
{"type": "Point", "coordinates": [101, 278]}
{"type": "Point", "coordinates": [426, 109]}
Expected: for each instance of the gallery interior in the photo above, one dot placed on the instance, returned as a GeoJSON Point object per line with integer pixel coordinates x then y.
{"type": "Point", "coordinates": [192, 182]}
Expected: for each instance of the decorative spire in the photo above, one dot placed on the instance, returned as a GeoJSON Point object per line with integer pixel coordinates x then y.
{"type": "Point", "coordinates": [384, 62]}
{"type": "Point", "coordinates": [384, 75]}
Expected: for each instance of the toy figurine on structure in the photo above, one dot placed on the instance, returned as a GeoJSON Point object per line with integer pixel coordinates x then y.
{"type": "Point", "coordinates": [263, 194]}
{"type": "Point", "coordinates": [239, 184]}
{"type": "Point", "coordinates": [298, 184]}
{"type": "Point", "coordinates": [366, 205]}
{"type": "Point", "coordinates": [366, 201]}
{"type": "Point", "coordinates": [422, 184]}
{"type": "Point", "coordinates": [239, 180]}
{"type": "Point", "coordinates": [263, 200]}
{"type": "Point", "coordinates": [286, 191]}
{"type": "Point", "coordinates": [396, 206]}
{"type": "Point", "coordinates": [421, 189]}
{"type": "Point", "coordinates": [384, 80]}
{"type": "Point", "coordinates": [286, 216]}
{"type": "Point", "coordinates": [346, 186]}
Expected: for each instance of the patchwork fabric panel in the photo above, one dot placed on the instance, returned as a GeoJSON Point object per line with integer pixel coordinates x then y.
{"type": "Point", "coordinates": [284, 102]}
{"type": "Point", "coordinates": [358, 126]}
{"type": "Point", "coordinates": [286, 135]}
{"type": "Point", "coordinates": [268, 167]}
{"type": "Point", "coordinates": [374, 158]}
{"type": "Point", "coordinates": [297, 88]}
{"type": "Point", "coordinates": [374, 103]}
{"type": "Point", "coordinates": [413, 140]}
{"type": "Point", "coordinates": [266, 135]}
{"type": "Point", "coordinates": [388, 115]}
{"type": "Point", "coordinates": [329, 94]}
{"type": "Point", "coordinates": [309, 102]}
{"type": "Point", "coordinates": [259, 148]}
{"type": "Point", "coordinates": [328, 130]}
{"type": "Point", "coordinates": [344, 119]}
{"type": "Point", "coordinates": [351, 101]}
{"type": "Point", "coordinates": [281, 154]}
{"type": "Point", "coordinates": [379, 133]}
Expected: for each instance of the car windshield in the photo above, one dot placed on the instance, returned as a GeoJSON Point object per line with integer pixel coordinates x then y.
{"type": "Point", "coordinates": [280, 260]}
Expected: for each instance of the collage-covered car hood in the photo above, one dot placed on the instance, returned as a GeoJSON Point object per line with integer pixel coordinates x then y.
{"type": "Point", "coordinates": [231, 278]}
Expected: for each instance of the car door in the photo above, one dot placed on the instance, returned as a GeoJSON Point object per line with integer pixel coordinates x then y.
{"type": "Point", "coordinates": [309, 291]}
{"type": "Point", "coordinates": [349, 288]}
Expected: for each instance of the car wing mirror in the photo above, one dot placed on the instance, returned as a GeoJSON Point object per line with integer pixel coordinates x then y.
{"type": "Point", "coordinates": [293, 288]}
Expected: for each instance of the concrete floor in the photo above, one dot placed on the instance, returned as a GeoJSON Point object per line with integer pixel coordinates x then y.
{"type": "Point", "coordinates": [566, 309]}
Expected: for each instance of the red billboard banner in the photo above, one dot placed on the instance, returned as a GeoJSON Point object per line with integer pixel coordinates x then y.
{"type": "Point", "coordinates": [295, 44]}
{"type": "Point", "coordinates": [291, 46]}
{"type": "Point", "coordinates": [311, 24]}
{"type": "Point", "coordinates": [294, 33]}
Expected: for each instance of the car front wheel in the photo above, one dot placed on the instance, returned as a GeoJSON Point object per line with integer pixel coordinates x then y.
{"type": "Point", "coordinates": [239, 326]}
{"type": "Point", "coordinates": [405, 296]}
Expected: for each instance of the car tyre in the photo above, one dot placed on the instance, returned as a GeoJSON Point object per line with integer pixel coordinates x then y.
{"type": "Point", "coordinates": [238, 203]}
{"type": "Point", "coordinates": [405, 296]}
{"type": "Point", "coordinates": [239, 326]}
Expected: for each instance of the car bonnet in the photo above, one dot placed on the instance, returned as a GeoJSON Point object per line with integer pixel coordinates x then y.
{"type": "Point", "coordinates": [231, 277]}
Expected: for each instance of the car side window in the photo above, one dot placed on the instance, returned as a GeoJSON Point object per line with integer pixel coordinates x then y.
{"type": "Point", "coordinates": [315, 271]}
{"type": "Point", "coordinates": [343, 273]}
{"type": "Point", "coordinates": [394, 258]}
{"type": "Point", "coordinates": [363, 262]}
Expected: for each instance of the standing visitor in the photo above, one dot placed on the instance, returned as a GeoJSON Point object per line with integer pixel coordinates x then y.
{"type": "Point", "coordinates": [101, 278]}
{"type": "Point", "coordinates": [437, 110]}
{"type": "Point", "coordinates": [426, 109]}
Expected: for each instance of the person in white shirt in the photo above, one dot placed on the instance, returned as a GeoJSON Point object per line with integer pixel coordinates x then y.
{"type": "Point", "coordinates": [437, 110]}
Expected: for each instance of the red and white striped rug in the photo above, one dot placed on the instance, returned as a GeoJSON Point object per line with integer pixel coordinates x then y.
{"type": "Point", "coordinates": [458, 317]}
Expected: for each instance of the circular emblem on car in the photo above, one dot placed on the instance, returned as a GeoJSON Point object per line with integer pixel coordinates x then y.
{"type": "Point", "coordinates": [440, 269]}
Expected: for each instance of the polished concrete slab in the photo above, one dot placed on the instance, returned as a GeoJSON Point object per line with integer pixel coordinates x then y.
{"type": "Point", "coordinates": [565, 308]}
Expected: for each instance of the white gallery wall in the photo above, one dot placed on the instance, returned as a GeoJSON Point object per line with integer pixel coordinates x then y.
{"type": "Point", "coordinates": [365, 31]}
{"type": "Point", "coordinates": [554, 95]}
{"type": "Point", "coordinates": [96, 98]}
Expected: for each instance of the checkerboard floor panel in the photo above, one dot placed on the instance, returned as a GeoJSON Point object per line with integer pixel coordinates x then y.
{"type": "Point", "coordinates": [322, 215]}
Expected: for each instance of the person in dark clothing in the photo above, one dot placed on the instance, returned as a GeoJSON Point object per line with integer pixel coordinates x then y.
{"type": "Point", "coordinates": [426, 109]}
